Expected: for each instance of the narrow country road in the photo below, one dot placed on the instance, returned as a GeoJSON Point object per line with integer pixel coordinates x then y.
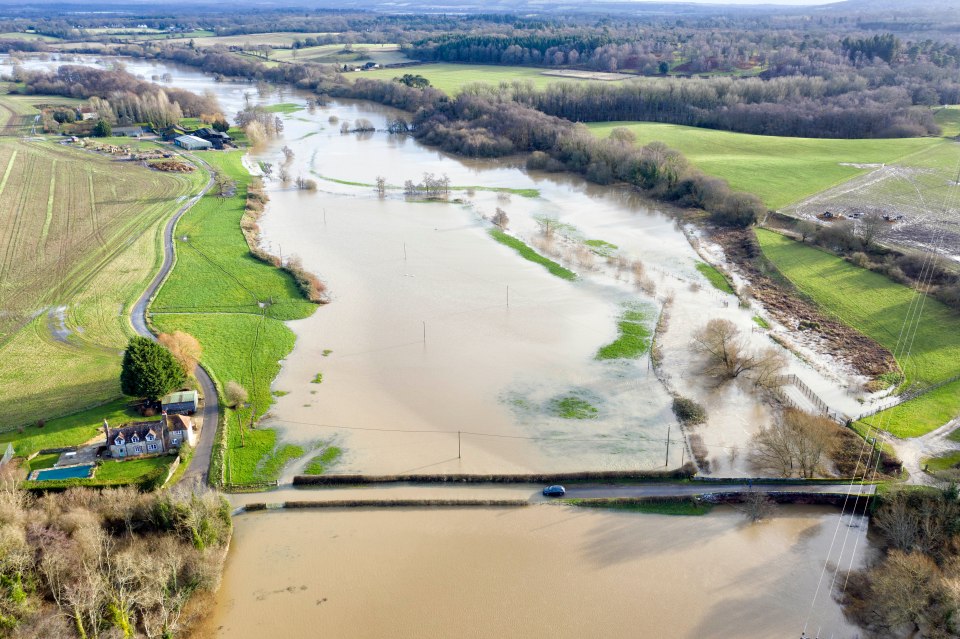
{"type": "Point", "coordinates": [532, 492]}
{"type": "Point", "coordinates": [199, 466]}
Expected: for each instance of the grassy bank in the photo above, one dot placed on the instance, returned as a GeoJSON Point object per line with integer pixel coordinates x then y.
{"type": "Point", "coordinates": [679, 506]}
{"type": "Point", "coordinates": [878, 307]}
{"type": "Point", "coordinates": [531, 255]}
{"type": "Point", "coordinates": [780, 170]}
{"type": "Point", "coordinates": [235, 306]}
{"type": "Point", "coordinates": [715, 277]}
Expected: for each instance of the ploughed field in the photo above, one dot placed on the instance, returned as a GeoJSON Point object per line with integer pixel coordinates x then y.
{"type": "Point", "coordinates": [79, 240]}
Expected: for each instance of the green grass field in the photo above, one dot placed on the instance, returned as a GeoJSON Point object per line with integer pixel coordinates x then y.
{"type": "Point", "coordinates": [716, 278]}
{"type": "Point", "coordinates": [944, 462]}
{"type": "Point", "coordinates": [687, 507]}
{"type": "Point", "coordinates": [451, 78]}
{"type": "Point", "coordinates": [79, 240]}
{"type": "Point", "coordinates": [779, 170]}
{"type": "Point", "coordinates": [877, 307]}
{"type": "Point", "coordinates": [215, 293]}
{"type": "Point", "coordinates": [633, 337]}
{"type": "Point", "coordinates": [949, 120]}
{"type": "Point", "coordinates": [531, 255]}
{"type": "Point", "coordinates": [71, 430]}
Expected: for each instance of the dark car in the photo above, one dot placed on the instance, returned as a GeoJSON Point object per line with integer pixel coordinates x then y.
{"type": "Point", "coordinates": [554, 491]}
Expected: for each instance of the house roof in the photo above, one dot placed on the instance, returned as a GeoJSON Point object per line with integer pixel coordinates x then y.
{"type": "Point", "coordinates": [179, 422]}
{"type": "Point", "coordinates": [180, 397]}
{"type": "Point", "coordinates": [140, 429]}
{"type": "Point", "coordinates": [191, 139]}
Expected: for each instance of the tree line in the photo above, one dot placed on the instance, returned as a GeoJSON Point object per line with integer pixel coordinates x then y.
{"type": "Point", "coordinates": [112, 563]}
{"type": "Point", "coordinates": [119, 95]}
{"type": "Point", "coordinates": [491, 125]}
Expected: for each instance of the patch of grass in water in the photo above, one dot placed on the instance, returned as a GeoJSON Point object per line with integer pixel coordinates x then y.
{"type": "Point", "coordinates": [529, 254]}
{"type": "Point", "coordinates": [633, 339]}
{"type": "Point", "coordinates": [685, 507]}
{"type": "Point", "coordinates": [283, 107]}
{"type": "Point", "coordinates": [572, 407]}
{"type": "Point", "coordinates": [273, 464]}
{"type": "Point", "coordinates": [318, 379]}
{"type": "Point", "coordinates": [601, 247]}
{"type": "Point", "coordinates": [280, 393]}
{"type": "Point", "coordinates": [322, 462]}
{"type": "Point", "coordinates": [716, 278]}
{"type": "Point", "coordinates": [326, 352]}
{"type": "Point", "coordinates": [759, 321]}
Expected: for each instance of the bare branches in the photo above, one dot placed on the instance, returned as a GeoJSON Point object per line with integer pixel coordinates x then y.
{"type": "Point", "coordinates": [795, 445]}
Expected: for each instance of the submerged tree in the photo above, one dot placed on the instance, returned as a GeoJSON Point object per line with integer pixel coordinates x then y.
{"type": "Point", "coordinates": [795, 445]}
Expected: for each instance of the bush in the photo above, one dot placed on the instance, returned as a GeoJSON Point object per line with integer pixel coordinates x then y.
{"type": "Point", "coordinates": [689, 412]}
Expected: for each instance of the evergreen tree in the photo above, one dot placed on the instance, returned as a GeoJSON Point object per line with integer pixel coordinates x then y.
{"type": "Point", "coordinates": [149, 370]}
{"type": "Point", "coordinates": [102, 129]}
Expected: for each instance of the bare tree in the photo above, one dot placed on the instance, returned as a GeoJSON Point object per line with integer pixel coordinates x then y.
{"type": "Point", "coordinates": [872, 228]}
{"type": "Point", "coordinates": [795, 445]}
{"type": "Point", "coordinates": [500, 218]}
{"type": "Point", "coordinates": [806, 229]}
{"type": "Point", "coordinates": [726, 354]}
{"type": "Point", "coordinates": [381, 186]}
{"type": "Point", "coordinates": [283, 174]}
{"type": "Point", "coordinates": [267, 168]}
{"type": "Point", "coordinates": [287, 155]}
{"type": "Point", "coordinates": [236, 394]}
{"type": "Point", "coordinates": [756, 505]}
{"type": "Point", "coordinates": [223, 184]}
{"type": "Point", "coordinates": [184, 347]}
{"type": "Point", "coordinates": [344, 127]}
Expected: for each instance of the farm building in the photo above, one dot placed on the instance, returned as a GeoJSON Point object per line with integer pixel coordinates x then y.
{"type": "Point", "coordinates": [192, 143]}
{"type": "Point", "coordinates": [180, 402]}
{"type": "Point", "coordinates": [149, 438]}
{"type": "Point", "coordinates": [129, 131]}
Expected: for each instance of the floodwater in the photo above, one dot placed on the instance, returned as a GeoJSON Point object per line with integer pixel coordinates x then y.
{"type": "Point", "coordinates": [444, 351]}
{"type": "Point", "coordinates": [540, 571]}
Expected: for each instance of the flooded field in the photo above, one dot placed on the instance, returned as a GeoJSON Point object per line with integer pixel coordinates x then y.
{"type": "Point", "coordinates": [444, 351]}
{"type": "Point", "coordinates": [541, 571]}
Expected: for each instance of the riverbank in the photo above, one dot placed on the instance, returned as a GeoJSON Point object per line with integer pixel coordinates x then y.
{"type": "Point", "coordinates": [235, 305]}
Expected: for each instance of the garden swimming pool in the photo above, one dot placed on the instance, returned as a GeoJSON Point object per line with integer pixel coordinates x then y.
{"type": "Point", "coordinates": [69, 472]}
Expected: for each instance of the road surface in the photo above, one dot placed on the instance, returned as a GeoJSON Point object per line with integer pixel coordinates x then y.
{"type": "Point", "coordinates": [199, 466]}
{"type": "Point", "coordinates": [531, 492]}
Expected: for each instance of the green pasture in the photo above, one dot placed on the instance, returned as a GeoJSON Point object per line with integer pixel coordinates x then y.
{"type": "Point", "coordinates": [878, 307]}
{"type": "Point", "coordinates": [779, 170]}
{"type": "Point", "coordinates": [451, 78]}
{"type": "Point", "coordinates": [235, 306]}
{"type": "Point", "coordinates": [949, 120]}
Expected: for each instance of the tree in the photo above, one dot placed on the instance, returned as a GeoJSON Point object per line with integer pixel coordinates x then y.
{"type": "Point", "coordinates": [102, 129]}
{"type": "Point", "coordinates": [806, 229]}
{"type": "Point", "coordinates": [149, 370]}
{"type": "Point", "coordinates": [184, 347]}
{"type": "Point", "coordinates": [727, 356]}
{"type": "Point", "coordinates": [500, 218]}
{"type": "Point", "coordinates": [872, 228]}
{"type": "Point", "coordinates": [794, 445]}
{"type": "Point", "coordinates": [223, 184]}
{"type": "Point", "coordinates": [663, 67]}
{"type": "Point", "coordinates": [220, 125]}
{"type": "Point", "coordinates": [756, 505]}
{"type": "Point", "coordinates": [381, 186]}
{"type": "Point", "coordinates": [236, 394]}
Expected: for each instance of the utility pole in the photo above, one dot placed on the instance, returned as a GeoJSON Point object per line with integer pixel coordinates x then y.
{"type": "Point", "coordinates": [424, 332]}
{"type": "Point", "coordinates": [458, 444]}
{"type": "Point", "coordinates": [667, 461]}
{"type": "Point", "coordinates": [508, 296]}
{"type": "Point", "coordinates": [324, 217]}
{"type": "Point", "coordinates": [404, 251]}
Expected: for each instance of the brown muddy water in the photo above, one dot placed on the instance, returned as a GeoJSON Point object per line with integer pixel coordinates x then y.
{"type": "Point", "coordinates": [540, 571]}
{"type": "Point", "coordinates": [443, 351]}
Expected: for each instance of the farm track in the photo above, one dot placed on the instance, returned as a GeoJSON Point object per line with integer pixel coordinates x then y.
{"type": "Point", "coordinates": [199, 468]}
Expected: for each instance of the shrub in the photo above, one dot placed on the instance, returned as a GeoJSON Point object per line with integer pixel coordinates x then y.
{"type": "Point", "coordinates": [688, 412]}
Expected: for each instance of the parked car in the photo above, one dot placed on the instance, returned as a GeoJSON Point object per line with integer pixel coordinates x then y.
{"type": "Point", "coordinates": [554, 491]}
